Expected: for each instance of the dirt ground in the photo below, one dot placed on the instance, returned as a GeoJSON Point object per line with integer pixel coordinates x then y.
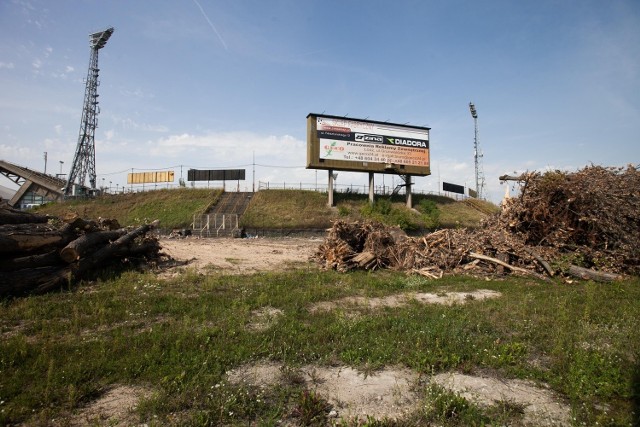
{"type": "Point", "coordinates": [240, 256]}
{"type": "Point", "coordinates": [390, 393]}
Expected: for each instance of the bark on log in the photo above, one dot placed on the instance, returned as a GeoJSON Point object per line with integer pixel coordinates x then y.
{"type": "Point", "coordinates": [22, 238]}
{"type": "Point", "coordinates": [21, 282]}
{"type": "Point", "coordinates": [50, 258]}
{"type": "Point", "coordinates": [83, 244]}
{"type": "Point", "coordinates": [596, 276]}
{"type": "Point", "coordinates": [14, 216]}
{"type": "Point", "coordinates": [542, 262]}
{"type": "Point", "coordinates": [104, 253]}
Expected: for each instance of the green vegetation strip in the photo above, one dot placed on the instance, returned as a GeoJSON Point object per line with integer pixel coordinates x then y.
{"type": "Point", "coordinates": [178, 337]}
{"type": "Point", "coordinates": [174, 207]}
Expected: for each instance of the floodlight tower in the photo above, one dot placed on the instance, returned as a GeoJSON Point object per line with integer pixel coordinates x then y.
{"type": "Point", "coordinates": [477, 154]}
{"type": "Point", "coordinates": [84, 161]}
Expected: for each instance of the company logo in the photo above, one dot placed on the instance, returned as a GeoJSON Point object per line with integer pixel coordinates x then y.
{"type": "Point", "coordinates": [364, 137]}
{"type": "Point", "coordinates": [331, 148]}
{"type": "Point", "coordinates": [408, 142]}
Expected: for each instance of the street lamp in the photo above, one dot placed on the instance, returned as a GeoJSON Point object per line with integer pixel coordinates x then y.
{"type": "Point", "coordinates": [61, 162]}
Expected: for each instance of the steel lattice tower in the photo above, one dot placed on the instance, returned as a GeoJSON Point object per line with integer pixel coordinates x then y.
{"type": "Point", "coordinates": [84, 161]}
{"type": "Point", "coordinates": [477, 154]}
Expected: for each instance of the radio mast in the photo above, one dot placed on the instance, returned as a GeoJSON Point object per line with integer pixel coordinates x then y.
{"type": "Point", "coordinates": [84, 161]}
{"type": "Point", "coordinates": [477, 154]}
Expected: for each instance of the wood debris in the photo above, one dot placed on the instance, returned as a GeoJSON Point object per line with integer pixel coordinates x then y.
{"type": "Point", "coordinates": [42, 255]}
{"type": "Point", "coordinates": [590, 217]}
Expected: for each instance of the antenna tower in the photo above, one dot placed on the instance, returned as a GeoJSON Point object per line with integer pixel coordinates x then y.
{"type": "Point", "coordinates": [84, 161]}
{"type": "Point", "coordinates": [477, 154]}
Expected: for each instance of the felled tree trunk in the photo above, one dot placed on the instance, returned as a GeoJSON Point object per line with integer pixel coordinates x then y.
{"type": "Point", "coordinates": [84, 244]}
{"type": "Point", "coordinates": [104, 253]}
{"type": "Point", "coordinates": [50, 258]}
{"type": "Point", "coordinates": [596, 276]}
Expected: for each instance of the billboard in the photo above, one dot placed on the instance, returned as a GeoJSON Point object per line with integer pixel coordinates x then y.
{"type": "Point", "coordinates": [452, 188]}
{"type": "Point", "coordinates": [150, 177]}
{"type": "Point", "coordinates": [215, 175]}
{"type": "Point", "coordinates": [366, 146]}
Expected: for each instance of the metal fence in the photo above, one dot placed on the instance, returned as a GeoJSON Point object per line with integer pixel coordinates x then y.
{"type": "Point", "coordinates": [215, 225]}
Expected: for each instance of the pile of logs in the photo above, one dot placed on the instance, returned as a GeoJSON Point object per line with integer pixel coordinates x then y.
{"type": "Point", "coordinates": [40, 253]}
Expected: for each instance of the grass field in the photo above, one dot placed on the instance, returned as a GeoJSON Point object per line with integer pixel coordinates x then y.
{"type": "Point", "coordinates": [176, 338]}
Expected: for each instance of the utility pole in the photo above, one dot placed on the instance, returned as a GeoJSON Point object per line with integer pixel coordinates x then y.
{"type": "Point", "coordinates": [477, 154]}
{"type": "Point", "coordinates": [84, 160]}
{"type": "Point", "coordinates": [45, 162]}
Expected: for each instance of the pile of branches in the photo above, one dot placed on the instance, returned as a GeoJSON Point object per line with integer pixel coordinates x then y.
{"type": "Point", "coordinates": [40, 253]}
{"type": "Point", "coordinates": [593, 213]}
{"type": "Point", "coordinates": [590, 217]}
{"type": "Point", "coordinates": [371, 245]}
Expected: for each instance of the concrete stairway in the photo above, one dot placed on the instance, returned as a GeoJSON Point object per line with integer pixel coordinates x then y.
{"type": "Point", "coordinates": [223, 218]}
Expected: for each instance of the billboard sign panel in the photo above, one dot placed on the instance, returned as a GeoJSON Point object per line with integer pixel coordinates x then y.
{"type": "Point", "coordinates": [216, 175]}
{"type": "Point", "coordinates": [150, 177]}
{"type": "Point", "coordinates": [452, 188]}
{"type": "Point", "coordinates": [365, 145]}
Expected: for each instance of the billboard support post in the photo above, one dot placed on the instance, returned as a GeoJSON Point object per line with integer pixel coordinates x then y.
{"type": "Point", "coordinates": [371, 187]}
{"type": "Point", "coordinates": [330, 188]}
{"type": "Point", "coordinates": [409, 201]}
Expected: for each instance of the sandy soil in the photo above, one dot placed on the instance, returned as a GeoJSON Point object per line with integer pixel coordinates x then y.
{"type": "Point", "coordinates": [241, 256]}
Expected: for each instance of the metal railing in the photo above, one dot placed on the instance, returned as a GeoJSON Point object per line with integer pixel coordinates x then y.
{"type": "Point", "coordinates": [217, 225]}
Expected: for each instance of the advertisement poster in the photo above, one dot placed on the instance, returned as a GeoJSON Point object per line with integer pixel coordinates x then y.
{"type": "Point", "coordinates": [350, 140]}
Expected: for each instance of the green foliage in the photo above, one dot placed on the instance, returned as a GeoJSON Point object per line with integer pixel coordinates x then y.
{"type": "Point", "coordinates": [343, 211]}
{"type": "Point", "coordinates": [311, 409]}
{"type": "Point", "coordinates": [451, 409]}
{"type": "Point", "coordinates": [174, 208]}
{"type": "Point", "coordinates": [382, 210]}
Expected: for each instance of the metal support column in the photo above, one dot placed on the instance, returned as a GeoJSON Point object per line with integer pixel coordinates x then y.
{"type": "Point", "coordinates": [371, 188]}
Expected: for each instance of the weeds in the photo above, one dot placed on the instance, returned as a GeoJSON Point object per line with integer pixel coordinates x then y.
{"type": "Point", "coordinates": [178, 337]}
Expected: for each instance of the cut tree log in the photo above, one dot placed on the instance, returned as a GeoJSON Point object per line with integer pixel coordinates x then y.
{"type": "Point", "coordinates": [83, 244]}
{"type": "Point", "coordinates": [50, 258]}
{"type": "Point", "coordinates": [21, 282]}
{"type": "Point", "coordinates": [23, 238]}
{"type": "Point", "coordinates": [104, 253]}
{"type": "Point", "coordinates": [13, 216]}
{"type": "Point", "coordinates": [543, 263]}
{"type": "Point", "coordinates": [596, 276]}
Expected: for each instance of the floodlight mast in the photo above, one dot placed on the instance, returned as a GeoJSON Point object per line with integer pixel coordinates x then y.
{"type": "Point", "coordinates": [84, 160]}
{"type": "Point", "coordinates": [477, 154]}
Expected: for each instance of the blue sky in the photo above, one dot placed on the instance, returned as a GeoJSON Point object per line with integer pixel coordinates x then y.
{"type": "Point", "coordinates": [212, 83]}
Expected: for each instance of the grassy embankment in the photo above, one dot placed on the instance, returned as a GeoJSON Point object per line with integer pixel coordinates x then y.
{"type": "Point", "coordinates": [292, 209]}
{"type": "Point", "coordinates": [174, 208]}
{"type": "Point", "coordinates": [277, 209]}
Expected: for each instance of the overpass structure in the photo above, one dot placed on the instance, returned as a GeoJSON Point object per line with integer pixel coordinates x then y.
{"type": "Point", "coordinates": [35, 187]}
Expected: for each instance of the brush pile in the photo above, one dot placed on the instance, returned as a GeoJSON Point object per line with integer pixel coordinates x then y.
{"type": "Point", "coordinates": [40, 253]}
{"type": "Point", "coordinates": [584, 224]}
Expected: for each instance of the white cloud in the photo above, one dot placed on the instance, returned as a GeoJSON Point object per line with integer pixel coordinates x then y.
{"type": "Point", "coordinates": [7, 65]}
